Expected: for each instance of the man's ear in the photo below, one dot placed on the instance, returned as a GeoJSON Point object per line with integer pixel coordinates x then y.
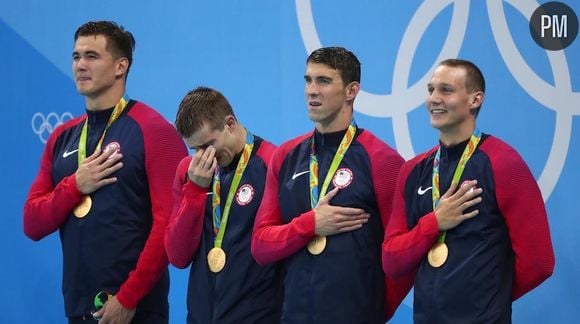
{"type": "Point", "coordinates": [352, 90]}
{"type": "Point", "coordinates": [122, 66]}
{"type": "Point", "coordinates": [477, 99]}
{"type": "Point", "coordinates": [230, 122]}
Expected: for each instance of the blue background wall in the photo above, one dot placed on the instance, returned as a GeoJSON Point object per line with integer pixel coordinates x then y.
{"type": "Point", "coordinates": [254, 52]}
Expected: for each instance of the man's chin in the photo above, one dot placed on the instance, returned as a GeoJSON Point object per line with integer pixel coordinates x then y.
{"type": "Point", "coordinates": [437, 124]}
{"type": "Point", "coordinates": [83, 91]}
{"type": "Point", "coordinates": [223, 164]}
{"type": "Point", "coordinates": [314, 117]}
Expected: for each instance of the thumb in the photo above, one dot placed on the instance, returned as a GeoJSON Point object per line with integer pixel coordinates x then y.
{"type": "Point", "coordinates": [101, 303]}
{"type": "Point", "coordinates": [99, 314]}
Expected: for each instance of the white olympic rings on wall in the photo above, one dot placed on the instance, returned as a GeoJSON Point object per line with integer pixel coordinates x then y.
{"type": "Point", "coordinates": [43, 125]}
{"type": "Point", "coordinates": [559, 98]}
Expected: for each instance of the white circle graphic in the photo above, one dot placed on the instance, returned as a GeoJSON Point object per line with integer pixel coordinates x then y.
{"type": "Point", "coordinates": [405, 99]}
{"type": "Point", "coordinates": [559, 98]}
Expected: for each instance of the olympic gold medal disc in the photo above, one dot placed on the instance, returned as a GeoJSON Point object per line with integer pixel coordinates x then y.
{"type": "Point", "coordinates": [82, 209]}
{"type": "Point", "coordinates": [317, 245]}
{"type": "Point", "coordinates": [438, 254]}
{"type": "Point", "coordinates": [216, 259]}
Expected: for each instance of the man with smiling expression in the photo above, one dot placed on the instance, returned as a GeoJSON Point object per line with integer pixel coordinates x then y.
{"type": "Point", "coordinates": [468, 217]}
{"type": "Point", "coordinates": [217, 192]}
{"type": "Point", "coordinates": [327, 202]}
{"type": "Point", "coordinates": [109, 205]}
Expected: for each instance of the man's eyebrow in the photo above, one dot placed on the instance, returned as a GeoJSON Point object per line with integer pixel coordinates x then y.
{"type": "Point", "coordinates": [308, 76]}
{"type": "Point", "coordinates": [85, 52]}
{"type": "Point", "coordinates": [442, 84]}
{"type": "Point", "coordinates": [203, 145]}
{"type": "Point", "coordinates": [322, 78]}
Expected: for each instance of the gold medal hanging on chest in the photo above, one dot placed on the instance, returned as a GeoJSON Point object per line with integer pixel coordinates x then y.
{"type": "Point", "coordinates": [317, 245]}
{"type": "Point", "coordinates": [82, 209]}
{"type": "Point", "coordinates": [438, 254]}
{"type": "Point", "coordinates": [216, 259]}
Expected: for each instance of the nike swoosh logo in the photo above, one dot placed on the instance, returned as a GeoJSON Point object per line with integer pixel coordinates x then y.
{"type": "Point", "coordinates": [422, 191]}
{"type": "Point", "coordinates": [296, 175]}
{"type": "Point", "coordinates": [67, 153]}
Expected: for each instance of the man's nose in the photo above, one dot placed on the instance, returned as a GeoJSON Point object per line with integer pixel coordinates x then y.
{"type": "Point", "coordinates": [434, 97]}
{"type": "Point", "coordinates": [311, 88]}
{"type": "Point", "coordinates": [80, 64]}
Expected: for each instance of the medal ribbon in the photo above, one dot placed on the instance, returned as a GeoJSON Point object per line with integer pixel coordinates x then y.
{"type": "Point", "coordinates": [119, 107]}
{"type": "Point", "coordinates": [467, 153]}
{"type": "Point", "coordinates": [219, 222]}
{"type": "Point", "coordinates": [340, 152]}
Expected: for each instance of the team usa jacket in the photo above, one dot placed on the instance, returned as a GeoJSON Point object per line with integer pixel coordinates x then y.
{"type": "Point", "coordinates": [118, 246]}
{"type": "Point", "coordinates": [494, 258]}
{"type": "Point", "coordinates": [243, 291]}
{"type": "Point", "coordinates": [344, 284]}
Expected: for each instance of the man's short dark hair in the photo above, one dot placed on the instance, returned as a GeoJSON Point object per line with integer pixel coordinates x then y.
{"type": "Point", "coordinates": [120, 42]}
{"type": "Point", "coordinates": [340, 59]}
{"type": "Point", "coordinates": [199, 106]}
{"type": "Point", "coordinates": [474, 80]}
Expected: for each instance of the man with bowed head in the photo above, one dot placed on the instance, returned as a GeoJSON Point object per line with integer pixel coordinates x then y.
{"type": "Point", "coordinates": [105, 184]}
{"type": "Point", "coordinates": [468, 217]}
{"type": "Point", "coordinates": [327, 201]}
{"type": "Point", "coordinates": [217, 192]}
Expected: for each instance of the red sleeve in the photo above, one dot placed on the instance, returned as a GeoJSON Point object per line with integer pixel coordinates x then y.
{"type": "Point", "coordinates": [47, 207]}
{"type": "Point", "coordinates": [385, 166]}
{"type": "Point", "coordinates": [185, 227]}
{"type": "Point", "coordinates": [521, 204]}
{"type": "Point", "coordinates": [164, 148]}
{"type": "Point", "coordinates": [272, 240]}
{"type": "Point", "coordinates": [403, 250]}
{"type": "Point", "coordinates": [265, 152]}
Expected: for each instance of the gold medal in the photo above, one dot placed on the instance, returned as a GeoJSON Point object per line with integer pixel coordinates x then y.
{"type": "Point", "coordinates": [216, 259]}
{"type": "Point", "coordinates": [317, 245]}
{"type": "Point", "coordinates": [438, 254]}
{"type": "Point", "coordinates": [82, 209]}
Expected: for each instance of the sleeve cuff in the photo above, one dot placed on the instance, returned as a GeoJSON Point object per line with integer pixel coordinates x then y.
{"type": "Point", "coordinates": [71, 183]}
{"type": "Point", "coordinates": [305, 224]}
{"type": "Point", "coordinates": [429, 225]}
{"type": "Point", "coordinates": [191, 187]}
{"type": "Point", "coordinates": [126, 301]}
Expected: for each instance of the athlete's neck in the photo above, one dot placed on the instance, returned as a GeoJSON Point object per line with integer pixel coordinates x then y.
{"type": "Point", "coordinates": [339, 123]}
{"type": "Point", "coordinates": [451, 137]}
{"type": "Point", "coordinates": [243, 134]}
{"type": "Point", "coordinates": [105, 100]}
